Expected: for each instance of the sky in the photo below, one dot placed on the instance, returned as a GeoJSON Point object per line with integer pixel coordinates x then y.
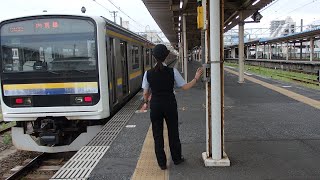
{"type": "Point", "coordinates": [308, 10]}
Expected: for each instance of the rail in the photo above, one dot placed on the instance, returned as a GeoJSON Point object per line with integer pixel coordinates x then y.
{"type": "Point", "coordinates": [28, 167]}
{"type": "Point", "coordinates": [4, 130]}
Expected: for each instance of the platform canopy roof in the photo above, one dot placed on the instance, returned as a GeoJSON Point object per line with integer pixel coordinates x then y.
{"type": "Point", "coordinates": [166, 13]}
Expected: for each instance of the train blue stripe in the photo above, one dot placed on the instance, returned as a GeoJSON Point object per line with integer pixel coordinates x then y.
{"type": "Point", "coordinates": [56, 91]}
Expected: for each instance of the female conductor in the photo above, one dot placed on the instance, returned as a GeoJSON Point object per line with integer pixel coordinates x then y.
{"type": "Point", "coordinates": [163, 105]}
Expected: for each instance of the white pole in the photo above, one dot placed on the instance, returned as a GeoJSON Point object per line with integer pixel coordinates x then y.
{"type": "Point", "coordinates": [311, 49]}
{"type": "Point", "coordinates": [215, 79]}
{"type": "Point", "coordinates": [270, 51]}
{"type": "Point", "coordinates": [205, 59]}
{"type": "Point", "coordinates": [185, 47]}
{"type": "Point", "coordinates": [214, 155]}
{"type": "Point", "coordinates": [181, 57]}
{"type": "Point", "coordinates": [241, 48]}
{"type": "Point", "coordinates": [287, 57]}
{"type": "Point", "coordinates": [257, 46]}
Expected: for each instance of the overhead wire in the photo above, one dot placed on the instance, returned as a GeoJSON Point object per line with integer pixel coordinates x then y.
{"type": "Point", "coordinates": [125, 13]}
{"type": "Point", "coordinates": [286, 13]}
{"type": "Point", "coordinates": [101, 5]}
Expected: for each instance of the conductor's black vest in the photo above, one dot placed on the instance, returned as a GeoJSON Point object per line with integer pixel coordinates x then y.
{"type": "Point", "coordinates": [161, 84]}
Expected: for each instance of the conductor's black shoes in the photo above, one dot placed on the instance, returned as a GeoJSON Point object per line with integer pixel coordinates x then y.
{"type": "Point", "coordinates": [163, 167]}
{"type": "Point", "coordinates": [179, 161]}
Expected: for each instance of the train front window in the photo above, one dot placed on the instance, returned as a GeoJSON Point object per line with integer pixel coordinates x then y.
{"type": "Point", "coordinates": [53, 44]}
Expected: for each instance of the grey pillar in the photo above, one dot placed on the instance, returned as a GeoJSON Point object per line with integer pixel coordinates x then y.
{"type": "Point", "coordinates": [311, 48]}
{"type": "Point", "coordinates": [264, 51]}
{"type": "Point", "coordinates": [257, 46]}
{"type": "Point", "coordinates": [270, 51]}
{"type": "Point", "coordinates": [185, 47]}
{"type": "Point", "coordinates": [241, 48]}
{"type": "Point", "coordinates": [287, 55]}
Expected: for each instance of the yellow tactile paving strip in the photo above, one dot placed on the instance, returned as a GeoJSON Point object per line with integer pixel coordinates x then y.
{"type": "Point", "coordinates": [147, 167]}
{"type": "Point", "coordinates": [293, 95]}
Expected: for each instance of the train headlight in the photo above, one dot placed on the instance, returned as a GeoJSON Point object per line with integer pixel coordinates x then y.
{"type": "Point", "coordinates": [78, 100]}
{"type": "Point", "coordinates": [82, 100]}
{"type": "Point", "coordinates": [88, 99]}
{"type": "Point", "coordinates": [21, 101]}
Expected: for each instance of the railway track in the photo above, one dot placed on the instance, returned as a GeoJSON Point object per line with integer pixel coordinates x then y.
{"type": "Point", "coordinates": [5, 127]}
{"type": "Point", "coordinates": [301, 80]}
{"type": "Point", "coordinates": [41, 167]}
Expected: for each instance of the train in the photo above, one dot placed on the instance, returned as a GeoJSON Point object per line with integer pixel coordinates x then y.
{"type": "Point", "coordinates": [63, 76]}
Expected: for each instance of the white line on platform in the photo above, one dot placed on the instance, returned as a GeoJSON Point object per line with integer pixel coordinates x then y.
{"type": "Point", "coordinates": [286, 86]}
{"type": "Point", "coordinates": [130, 126]}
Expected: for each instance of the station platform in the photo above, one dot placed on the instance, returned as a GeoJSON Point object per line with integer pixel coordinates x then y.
{"type": "Point", "coordinates": [272, 131]}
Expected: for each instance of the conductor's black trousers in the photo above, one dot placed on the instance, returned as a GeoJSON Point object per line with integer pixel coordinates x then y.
{"type": "Point", "coordinates": [163, 106]}
{"type": "Point", "coordinates": [167, 111]}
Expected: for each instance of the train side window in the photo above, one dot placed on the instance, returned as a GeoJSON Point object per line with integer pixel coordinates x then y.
{"type": "Point", "coordinates": [147, 57]}
{"type": "Point", "coordinates": [142, 55]}
{"type": "Point", "coordinates": [135, 57]}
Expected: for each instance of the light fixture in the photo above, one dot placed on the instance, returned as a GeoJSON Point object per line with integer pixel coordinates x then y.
{"type": "Point", "coordinates": [230, 23]}
{"type": "Point", "coordinates": [225, 27]}
{"type": "Point", "coordinates": [237, 17]}
{"type": "Point", "coordinates": [181, 4]}
{"type": "Point", "coordinates": [179, 18]}
{"type": "Point", "coordinates": [179, 24]}
{"type": "Point", "coordinates": [255, 2]}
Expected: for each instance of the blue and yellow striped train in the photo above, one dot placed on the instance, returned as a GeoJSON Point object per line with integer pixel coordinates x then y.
{"type": "Point", "coordinates": [63, 75]}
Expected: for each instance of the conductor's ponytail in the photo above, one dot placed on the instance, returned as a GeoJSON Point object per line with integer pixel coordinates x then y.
{"type": "Point", "coordinates": [159, 66]}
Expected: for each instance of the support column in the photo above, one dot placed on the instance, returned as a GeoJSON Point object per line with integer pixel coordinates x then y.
{"type": "Point", "coordinates": [287, 56]}
{"type": "Point", "coordinates": [270, 51]}
{"type": "Point", "coordinates": [248, 51]}
{"type": "Point", "coordinates": [181, 57]}
{"type": "Point", "coordinates": [294, 50]}
{"type": "Point", "coordinates": [214, 155]}
{"type": "Point", "coordinates": [264, 52]}
{"type": "Point", "coordinates": [241, 48]}
{"type": "Point", "coordinates": [185, 47]}
{"type": "Point", "coordinates": [233, 53]}
{"type": "Point", "coordinates": [257, 47]}
{"type": "Point", "coordinates": [203, 41]}
{"type": "Point", "coordinates": [311, 48]}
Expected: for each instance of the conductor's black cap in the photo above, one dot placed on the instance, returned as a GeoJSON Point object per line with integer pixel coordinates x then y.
{"type": "Point", "coordinates": [160, 52]}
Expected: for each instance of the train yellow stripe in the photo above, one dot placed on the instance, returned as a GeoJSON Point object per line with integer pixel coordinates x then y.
{"type": "Point", "coordinates": [51, 85]}
{"type": "Point", "coordinates": [135, 74]}
{"type": "Point", "coordinates": [115, 34]}
{"type": "Point", "coordinates": [119, 81]}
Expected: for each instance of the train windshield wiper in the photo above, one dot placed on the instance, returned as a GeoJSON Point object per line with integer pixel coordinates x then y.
{"type": "Point", "coordinates": [52, 72]}
{"type": "Point", "coordinates": [81, 71]}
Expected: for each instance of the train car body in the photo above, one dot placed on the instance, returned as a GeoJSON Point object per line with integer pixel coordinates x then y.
{"type": "Point", "coordinates": [63, 75]}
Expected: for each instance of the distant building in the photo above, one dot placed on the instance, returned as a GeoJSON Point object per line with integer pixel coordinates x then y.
{"type": "Point", "coordinates": [125, 24]}
{"type": "Point", "coordinates": [152, 36]}
{"type": "Point", "coordinates": [314, 25]}
{"type": "Point", "coordinates": [275, 24]}
{"type": "Point", "coordinates": [278, 28]}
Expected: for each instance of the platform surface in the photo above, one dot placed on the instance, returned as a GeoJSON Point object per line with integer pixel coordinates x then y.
{"type": "Point", "coordinates": [268, 135]}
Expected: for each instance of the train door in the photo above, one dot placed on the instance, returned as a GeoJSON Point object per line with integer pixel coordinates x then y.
{"type": "Point", "coordinates": [112, 73]}
{"type": "Point", "coordinates": [142, 60]}
{"type": "Point", "coordinates": [147, 60]}
{"type": "Point", "coordinates": [124, 67]}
